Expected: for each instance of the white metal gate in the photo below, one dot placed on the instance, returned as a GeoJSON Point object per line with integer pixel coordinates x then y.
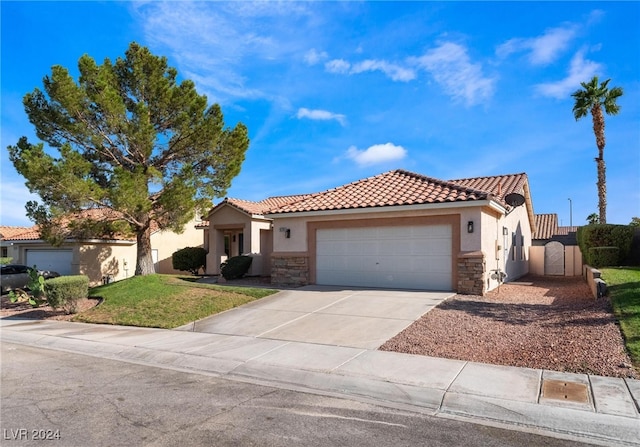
{"type": "Point", "coordinates": [554, 259]}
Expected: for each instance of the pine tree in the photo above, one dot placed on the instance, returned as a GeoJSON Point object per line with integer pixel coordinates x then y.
{"type": "Point", "coordinates": [129, 139]}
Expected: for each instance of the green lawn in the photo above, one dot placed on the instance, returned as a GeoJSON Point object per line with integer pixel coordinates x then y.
{"type": "Point", "coordinates": [623, 284]}
{"type": "Point", "coordinates": [164, 301]}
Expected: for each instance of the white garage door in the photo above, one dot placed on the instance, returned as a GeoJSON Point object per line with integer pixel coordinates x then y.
{"type": "Point", "coordinates": [411, 257]}
{"type": "Point", "coordinates": [55, 260]}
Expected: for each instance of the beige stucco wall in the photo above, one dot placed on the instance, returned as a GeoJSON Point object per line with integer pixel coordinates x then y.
{"type": "Point", "coordinates": [298, 242]}
{"type": "Point", "coordinates": [233, 222]}
{"type": "Point", "coordinates": [167, 242]}
{"type": "Point", "coordinates": [117, 259]}
{"type": "Point", "coordinates": [487, 235]}
{"type": "Point", "coordinates": [499, 248]}
{"type": "Point", "coordinates": [97, 260]}
{"type": "Point", "coordinates": [572, 260]}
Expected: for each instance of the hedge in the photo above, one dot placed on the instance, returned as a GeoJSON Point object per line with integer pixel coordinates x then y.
{"type": "Point", "coordinates": [65, 291]}
{"type": "Point", "coordinates": [236, 267]}
{"type": "Point", "coordinates": [189, 259]}
{"type": "Point", "coordinates": [603, 256]}
{"type": "Point", "coordinates": [606, 236]}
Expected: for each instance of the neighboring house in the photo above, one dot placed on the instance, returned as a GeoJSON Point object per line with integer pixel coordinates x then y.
{"type": "Point", "coordinates": [8, 232]}
{"type": "Point", "coordinates": [554, 250]}
{"type": "Point", "coordinates": [396, 230]}
{"type": "Point", "coordinates": [112, 257]}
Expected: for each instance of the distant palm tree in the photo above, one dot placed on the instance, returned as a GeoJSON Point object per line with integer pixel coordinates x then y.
{"type": "Point", "coordinates": [592, 99]}
{"type": "Point", "coordinates": [593, 219]}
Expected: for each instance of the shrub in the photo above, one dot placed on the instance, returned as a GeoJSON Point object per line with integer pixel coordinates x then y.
{"type": "Point", "coordinates": [36, 293]}
{"type": "Point", "coordinates": [606, 235]}
{"type": "Point", "coordinates": [189, 259]}
{"type": "Point", "coordinates": [603, 256]}
{"type": "Point", "coordinates": [235, 267]}
{"type": "Point", "coordinates": [65, 291]}
{"type": "Point", "coordinates": [5, 261]}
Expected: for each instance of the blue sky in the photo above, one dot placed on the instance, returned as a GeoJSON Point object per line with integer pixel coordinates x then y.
{"type": "Point", "coordinates": [333, 92]}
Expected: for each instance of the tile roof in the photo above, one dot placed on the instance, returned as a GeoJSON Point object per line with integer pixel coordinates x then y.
{"type": "Point", "coordinates": [261, 207]}
{"type": "Point", "coordinates": [546, 226]}
{"type": "Point", "coordinates": [401, 187]}
{"type": "Point", "coordinates": [499, 185]}
{"type": "Point", "coordinates": [96, 214]}
{"type": "Point", "coordinates": [7, 232]}
{"type": "Point", "coordinates": [565, 231]}
{"type": "Point", "coordinates": [20, 233]}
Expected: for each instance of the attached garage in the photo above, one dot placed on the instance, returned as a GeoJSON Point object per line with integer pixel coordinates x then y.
{"type": "Point", "coordinates": [404, 257]}
{"type": "Point", "coordinates": [55, 260]}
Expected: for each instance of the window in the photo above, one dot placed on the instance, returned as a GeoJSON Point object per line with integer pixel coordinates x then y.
{"type": "Point", "coordinates": [4, 253]}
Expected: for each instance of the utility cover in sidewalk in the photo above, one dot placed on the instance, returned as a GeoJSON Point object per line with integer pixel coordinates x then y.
{"type": "Point", "coordinates": [567, 391]}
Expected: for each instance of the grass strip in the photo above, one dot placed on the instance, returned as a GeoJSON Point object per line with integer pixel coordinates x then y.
{"type": "Point", "coordinates": [623, 284]}
{"type": "Point", "coordinates": [164, 301]}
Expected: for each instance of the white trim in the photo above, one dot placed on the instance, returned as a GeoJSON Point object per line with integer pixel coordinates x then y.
{"type": "Point", "coordinates": [392, 208]}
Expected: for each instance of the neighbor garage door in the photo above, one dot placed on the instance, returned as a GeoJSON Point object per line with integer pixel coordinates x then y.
{"type": "Point", "coordinates": [409, 257]}
{"type": "Point", "coordinates": [55, 260]}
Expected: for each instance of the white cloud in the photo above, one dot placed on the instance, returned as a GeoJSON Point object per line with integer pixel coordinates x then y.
{"type": "Point", "coordinates": [392, 71]}
{"type": "Point", "coordinates": [543, 49]}
{"type": "Point", "coordinates": [211, 42]}
{"type": "Point", "coordinates": [313, 56]}
{"type": "Point", "coordinates": [378, 153]}
{"type": "Point", "coordinates": [451, 67]}
{"type": "Point", "coordinates": [339, 66]}
{"type": "Point", "coordinates": [322, 115]}
{"type": "Point", "coordinates": [580, 70]}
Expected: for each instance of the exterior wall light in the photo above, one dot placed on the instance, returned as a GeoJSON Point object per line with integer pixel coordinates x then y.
{"type": "Point", "coordinates": [470, 227]}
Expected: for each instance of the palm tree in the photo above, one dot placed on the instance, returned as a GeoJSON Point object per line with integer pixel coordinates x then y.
{"type": "Point", "coordinates": [593, 98]}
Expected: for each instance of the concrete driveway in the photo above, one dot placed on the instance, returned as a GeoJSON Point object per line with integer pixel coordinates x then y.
{"type": "Point", "coordinates": [358, 318]}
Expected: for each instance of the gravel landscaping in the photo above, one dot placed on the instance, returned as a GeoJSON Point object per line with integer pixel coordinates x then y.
{"type": "Point", "coordinates": [537, 322]}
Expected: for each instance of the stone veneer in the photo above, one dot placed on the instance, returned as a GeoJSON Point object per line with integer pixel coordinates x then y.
{"type": "Point", "coordinates": [290, 269]}
{"type": "Point", "coordinates": [471, 268]}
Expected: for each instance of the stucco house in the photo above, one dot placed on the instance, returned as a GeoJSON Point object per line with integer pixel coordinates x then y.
{"type": "Point", "coordinates": [398, 229]}
{"type": "Point", "coordinates": [98, 258]}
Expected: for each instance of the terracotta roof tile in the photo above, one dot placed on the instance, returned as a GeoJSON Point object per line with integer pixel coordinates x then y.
{"type": "Point", "coordinates": [565, 231]}
{"type": "Point", "coordinates": [96, 214]}
{"type": "Point", "coordinates": [27, 234]}
{"type": "Point", "coordinates": [263, 206]}
{"type": "Point", "coordinates": [546, 226]}
{"type": "Point", "coordinates": [401, 187]}
{"type": "Point", "coordinates": [7, 232]}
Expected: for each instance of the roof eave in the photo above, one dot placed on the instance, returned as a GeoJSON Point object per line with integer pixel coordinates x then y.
{"type": "Point", "coordinates": [386, 209]}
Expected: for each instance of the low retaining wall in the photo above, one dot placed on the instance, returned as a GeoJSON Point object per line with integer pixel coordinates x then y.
{"type": "Point", "coordinates": [594, 281]}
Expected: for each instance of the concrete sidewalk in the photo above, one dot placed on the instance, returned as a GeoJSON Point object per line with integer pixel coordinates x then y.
{"type": "Point", "coordinates": [599, 410]}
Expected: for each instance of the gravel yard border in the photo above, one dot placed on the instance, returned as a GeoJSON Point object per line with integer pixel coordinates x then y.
{"type": "Point", "coordinates": [536, 322]}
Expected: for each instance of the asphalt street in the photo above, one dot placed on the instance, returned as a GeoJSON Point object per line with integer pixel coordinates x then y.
{"type": "Point", "coordinates": [61, 399]}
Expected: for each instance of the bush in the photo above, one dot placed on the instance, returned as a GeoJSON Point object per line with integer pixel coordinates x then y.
{"type": "Point", "coordinates": [65, 291]}
{"type": "Point", "coordinates": [603, 256]}
{"type": "Point", "coordinates": [5, 261]}
{"type": "Point", "coordinates": [236, 267]}
{"type": "Point", "coordinates": [606, 235]}
{"type": "Point", "coordinates": [190, 259]}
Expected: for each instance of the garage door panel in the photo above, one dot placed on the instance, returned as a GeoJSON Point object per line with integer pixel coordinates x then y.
{"type": "Point", "coordinates": [413, 257]}
{"type": "Point", "coordinates": [54, 260]}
